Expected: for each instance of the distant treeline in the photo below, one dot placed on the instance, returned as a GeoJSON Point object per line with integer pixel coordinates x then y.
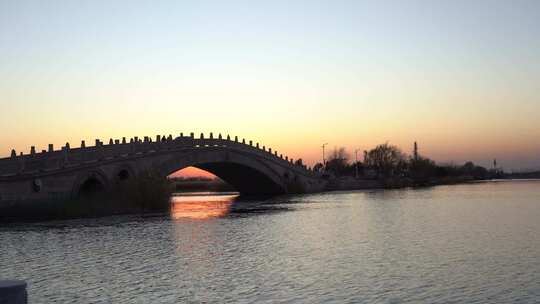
{"type": "Point", "coordinates": [523, 175]}
{"type": "Point", "coordinates": [196, 184]}
{"type": "Point", "coordinates": [388, 162]}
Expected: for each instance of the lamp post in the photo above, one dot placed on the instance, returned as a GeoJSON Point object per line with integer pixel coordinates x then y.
{"type": "Point", "coordinates": [356, 163]}
{"type": "Point", "coordinates": [323, 159]}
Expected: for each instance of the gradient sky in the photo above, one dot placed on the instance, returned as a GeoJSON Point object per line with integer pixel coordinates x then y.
{"type": "Point", "coordinates": [460, 77]}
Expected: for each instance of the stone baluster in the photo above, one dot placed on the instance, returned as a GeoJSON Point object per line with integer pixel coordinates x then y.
{"type": "Point", "coordinates": [123, 140]}
{"type": "Point", "coordinates": [13, 153]}
{"type": "Point", "coordinates": [51, 148]}
{"type": "Point", "coordinates": [99, 150]}
{"type": "Point", "coordinates": [65, 151]}
{"type": "Point", "coordinates": [83, 153]}
{"type": "Point", "coordinates": [22, 163]}
{"type": "Point", "coordinates": [32, 150]}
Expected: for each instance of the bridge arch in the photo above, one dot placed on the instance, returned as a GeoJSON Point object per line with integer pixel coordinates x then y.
{"type": "Point", "coordinates": [90, 182]}
{"type": "Point", "coordinates": [248, 173]}
{"type": "Point", "coordinates": [123, 175]}
{"type": "Point", "coordinates": [123, 172]}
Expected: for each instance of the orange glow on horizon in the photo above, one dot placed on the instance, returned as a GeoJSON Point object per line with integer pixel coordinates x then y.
{"type": "Point", "coordinates": [193, 172]}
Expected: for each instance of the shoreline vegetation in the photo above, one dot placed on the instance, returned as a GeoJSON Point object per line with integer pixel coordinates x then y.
{"type": "Point", "coordinates": [200, 184]}
{"type": "Point", "coordinates": [388, 167]}
{"type": "Point", "coordinates": [148, 193]}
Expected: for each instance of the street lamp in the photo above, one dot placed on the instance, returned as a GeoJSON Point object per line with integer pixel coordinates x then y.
{"type": "Point", "coordinates": [356, 158]}
{"type": "Point", "coordinates": [323, 159]}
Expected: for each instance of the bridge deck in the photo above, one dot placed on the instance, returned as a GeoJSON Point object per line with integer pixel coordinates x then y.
{"type": "Point", "coordinates": [68, 159]}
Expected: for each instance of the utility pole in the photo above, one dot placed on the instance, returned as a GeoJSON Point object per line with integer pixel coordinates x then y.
{"type": "Point", "coordinates": [356, 163]}
{"type": "Point", "coordinates": [415, 151]}
{"type": "Point", "coordinates": [323, 159]}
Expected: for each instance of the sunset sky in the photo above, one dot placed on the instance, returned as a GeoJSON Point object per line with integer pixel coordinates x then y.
{"type": "Point", "coordinates": [460, 77]}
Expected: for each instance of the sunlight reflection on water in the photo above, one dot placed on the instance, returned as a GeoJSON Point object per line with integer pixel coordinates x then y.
{"type": "Point", "coordinates": [201, 206]}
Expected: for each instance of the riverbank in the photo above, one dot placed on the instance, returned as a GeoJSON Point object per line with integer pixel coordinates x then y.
{"type": "Point", "coordinates": [201, 185]}
{"type": "Point", "coordinates": [350, 183]}
{"type": "Point", "coordinates": [146, 194]}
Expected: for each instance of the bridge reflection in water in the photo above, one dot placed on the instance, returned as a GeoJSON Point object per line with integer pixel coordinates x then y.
{"type": "Point", "coordinates": [203, 205]}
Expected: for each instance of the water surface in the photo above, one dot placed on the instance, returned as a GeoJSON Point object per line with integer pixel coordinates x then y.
{"type": "Point", "coordinates": [476, 243]}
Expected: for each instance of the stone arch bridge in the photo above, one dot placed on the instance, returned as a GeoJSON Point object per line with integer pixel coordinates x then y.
{"type": "Point", "coordinates": [65, 173]}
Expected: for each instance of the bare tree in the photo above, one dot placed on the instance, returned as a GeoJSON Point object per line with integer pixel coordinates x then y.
{"type": "Point", "coordinates": [338, 161]}
{"type": "Point", "coordinates": [339, 154]}
{"type": "Point", "coordinates": [318, 167]}
{"type": "Point", "coordinates": [387, 160]}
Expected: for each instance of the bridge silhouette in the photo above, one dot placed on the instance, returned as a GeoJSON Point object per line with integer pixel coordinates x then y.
{"type": "Point", "coordinates": [65, 173]}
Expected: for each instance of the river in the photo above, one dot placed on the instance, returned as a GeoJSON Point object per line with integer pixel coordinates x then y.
{"type": "Point", "coordinates": [472, 243]}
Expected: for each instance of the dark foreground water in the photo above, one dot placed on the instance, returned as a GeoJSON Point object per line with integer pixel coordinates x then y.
{"type": "Point", "coordinates": [476, 243]}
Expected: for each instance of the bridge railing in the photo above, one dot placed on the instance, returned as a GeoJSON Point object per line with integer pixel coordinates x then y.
{"type": "Point", "coordinates": [49, 160]}
{"type": "Point", "coordinates": [249, 146]}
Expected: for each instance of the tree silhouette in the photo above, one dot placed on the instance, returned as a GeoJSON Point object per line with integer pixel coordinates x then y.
{"type": "Point", "coordinates": [387, 160]}
{"type": "Point", "coordinates": [338, 161]}
{"type": "Point", "coordinates": [318, 167]}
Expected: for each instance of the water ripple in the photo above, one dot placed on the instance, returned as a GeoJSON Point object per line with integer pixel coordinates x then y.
{"type": "Point", "coordinates": [460, 244]}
